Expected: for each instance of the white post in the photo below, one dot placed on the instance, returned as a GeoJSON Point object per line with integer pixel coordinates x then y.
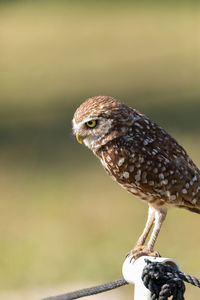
{"type": "Point", "coordinates": [132, 272]}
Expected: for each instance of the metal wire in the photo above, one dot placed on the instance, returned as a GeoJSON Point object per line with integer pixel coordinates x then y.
{"type": "Point", "coordinates": [91, 291]}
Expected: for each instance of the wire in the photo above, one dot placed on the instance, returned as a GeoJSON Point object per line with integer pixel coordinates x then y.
{"type": "Point", "coordinates": [91, 291]}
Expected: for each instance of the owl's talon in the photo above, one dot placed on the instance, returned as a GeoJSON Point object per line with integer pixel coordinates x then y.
{"type": "Point", "coordinates": [142, 251]}
{"type": "Point", "coordinates": [135, 250]}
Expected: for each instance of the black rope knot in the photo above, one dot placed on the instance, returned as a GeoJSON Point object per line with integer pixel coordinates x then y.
{"type": "Point", "coordinates": [162, 281]}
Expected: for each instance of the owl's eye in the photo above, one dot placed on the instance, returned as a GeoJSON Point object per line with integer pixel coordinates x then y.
{"type": "Point", "coordinates": [91, 124]}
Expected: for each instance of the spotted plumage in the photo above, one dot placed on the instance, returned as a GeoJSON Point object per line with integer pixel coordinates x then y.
{"type": "Point", "coordinates": [142, 157]}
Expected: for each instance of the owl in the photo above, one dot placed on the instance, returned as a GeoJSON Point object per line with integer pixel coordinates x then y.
{"type": "Point", "coordinates": [142, 157]}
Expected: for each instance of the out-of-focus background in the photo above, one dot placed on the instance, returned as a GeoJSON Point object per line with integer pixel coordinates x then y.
{"type": "Point", "coordinates": [63, 222]}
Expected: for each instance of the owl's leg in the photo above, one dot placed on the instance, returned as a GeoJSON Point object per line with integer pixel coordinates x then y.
{"type": "Point", "coordinates": [147, 228]}
{"type": "Point", "coordinates": [139, 248]}
{"type": "Point", "coordinates": [156, 216]}
{"type": "Point", "coordinates": [159, 219]}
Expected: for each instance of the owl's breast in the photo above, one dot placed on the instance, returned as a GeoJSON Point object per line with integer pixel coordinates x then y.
{"type": "Point", "coordinates": [108, 165]}
{"type": "Point", "coordinates": [124, 168]}
{"type": "Point", "coordinates": [117, 164]}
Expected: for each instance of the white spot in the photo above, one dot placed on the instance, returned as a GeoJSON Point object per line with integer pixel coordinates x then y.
{"type": "Point", "coordinates": [187, 185]}
{"type": "Point", "coordinates": [159, 191]}
{"type": "Point", "coordinates": [165, 182]}
{"type": "Point", "coordinates": [184, 191]}
{"type": "Point", "coordinates": [138, 125]}
{"type": "Point", "coordinates": [154, 152]}
{"type": "Point", "coordinates": [141, 160]}
{"type": "Point", "coordinates": [116, 152]}
{"type": "Point", "coordinates": [137, 165]}
{"type": "Point", "coordinates": [104, 162]}
{"type": "Point", "coordinates": [134, 191]}
{"type": "Point", "coordinates": [121, 161]}
{"type": "Point", "coordinates": [167, 193]}
{"type": "Point", "coordinates": [151, 183]}
{"type": "Point", "coordinates": [144, 177]}
{"type": "Point", "coordinates": [194, 201]}
{"type": "Point", "coordinates": [194, 178]}
{"type": "Point", "coordinates": [171, 172]}
{"type": "Point", "coordinates": [131, 168]}
{"type": "Point", "coordinates": [128, 185]}
{"type": "Point", "coordinates": [161, 176]}
{"type": "Point", "coordinates": [137, 117]}
{"type": "Point", "coordinates": [163, 169]}
{"type": "Point", "coordinates": [126, 174]}
{"type": "Point", "coordinates": [173, 197]}
{"type": "Point", "coordinates": [138, 175]}
{"type": "Point", "coordinates": [155, 170]}
{"type": "Point", "coordinates": [146, 142]}
{"type": "Point", "coordinates": [174, 181]}
{"type": "Point", "coordinates": [108, 158]}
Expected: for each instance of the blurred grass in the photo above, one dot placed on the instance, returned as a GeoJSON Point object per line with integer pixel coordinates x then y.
{"type": "Point", "coordinates": [58, 49]}
{"type": "Point", "coordinates": [62, 219]}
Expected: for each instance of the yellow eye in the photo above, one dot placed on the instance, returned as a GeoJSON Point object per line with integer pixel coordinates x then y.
{"type": "Point", "coordinates": [91, 124]}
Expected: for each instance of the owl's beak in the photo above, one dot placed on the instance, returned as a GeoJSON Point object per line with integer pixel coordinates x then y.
{"type": "Point", "coordinates": [79, 138]}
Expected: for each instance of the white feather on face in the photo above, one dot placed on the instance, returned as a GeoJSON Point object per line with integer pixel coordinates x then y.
{"type": "Point", "coordinates": [91, 135]}
{"type": "Point", "coordinates": [90, 140]}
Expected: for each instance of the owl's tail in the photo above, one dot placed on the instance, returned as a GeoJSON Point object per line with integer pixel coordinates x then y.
{"type": "Point", "coordinates": [192, 209]}
{"type": "Point", "coordinates": [196, 210]}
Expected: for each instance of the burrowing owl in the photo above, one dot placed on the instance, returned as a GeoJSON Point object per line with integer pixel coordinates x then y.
{"type": "Point", "coordinates": [142, 158]}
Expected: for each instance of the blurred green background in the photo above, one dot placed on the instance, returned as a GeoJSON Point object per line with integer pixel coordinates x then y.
{"type": "Point", "coordinates": [62, 219]}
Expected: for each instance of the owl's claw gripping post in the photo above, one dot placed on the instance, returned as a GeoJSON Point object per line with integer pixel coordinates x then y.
{"type": "Point", "coordinates": [142, 251]}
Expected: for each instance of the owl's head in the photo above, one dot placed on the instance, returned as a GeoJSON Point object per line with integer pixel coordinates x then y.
{"type": "Point", "coordinates": [100, 119]}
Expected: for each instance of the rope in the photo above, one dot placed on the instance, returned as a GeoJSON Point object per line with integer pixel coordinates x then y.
{"type": "Point", "coordinates": [162, 280]}
{"type": "Point", "coordinates": [90, 291]}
